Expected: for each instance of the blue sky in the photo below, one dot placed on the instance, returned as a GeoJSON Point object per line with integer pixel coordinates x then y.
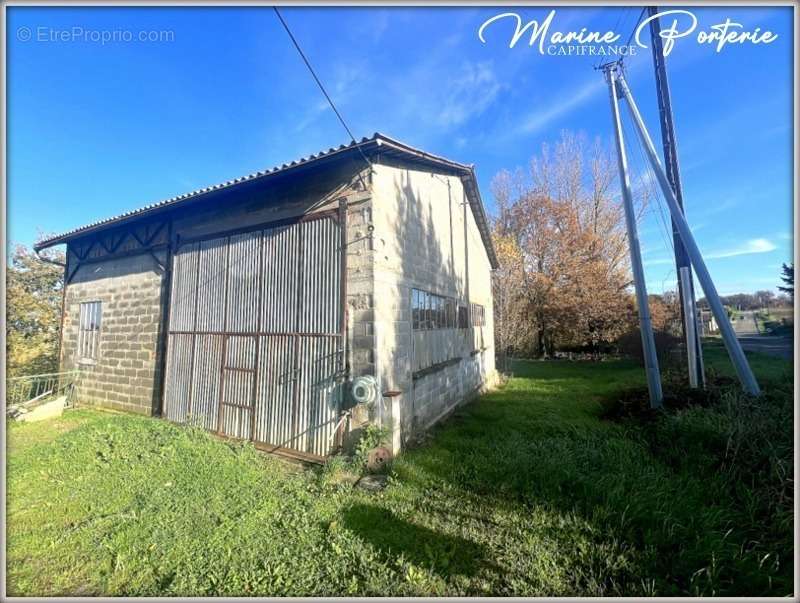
{"type": "Point", "coordinates": [96, 129]}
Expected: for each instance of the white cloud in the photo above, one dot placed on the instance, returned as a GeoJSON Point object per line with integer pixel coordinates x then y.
{"type": "Point", "coordinates": [377, 25]}
{"type": "Point", "coordinates": [567, 100]}
{"type": "Point", "coordinates": [311, 115]}
{"type": "Point", "coordinates": [344, 82]}
{"type": "Point", "coordinates": [470, 93]}
{"type": "Point", "coordinates": [747, 248]}
{"type": "Point", "coordinates": [540, 118]}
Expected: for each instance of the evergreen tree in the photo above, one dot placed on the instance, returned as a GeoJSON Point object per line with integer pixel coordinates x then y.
{"type": "Point", "coordinates": [788, 279]}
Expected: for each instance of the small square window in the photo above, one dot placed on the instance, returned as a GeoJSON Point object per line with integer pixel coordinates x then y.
{"type": "Point", "coordinates": [478, 316]}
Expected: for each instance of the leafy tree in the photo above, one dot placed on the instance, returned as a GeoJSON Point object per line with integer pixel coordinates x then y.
{"type": "Point", "coordinates": [788, 279]}
{"type": "Point", "coordinates": [560, 235]}
{"type": "Point", "coordinates": [33, 306]}
{"type": "Point", "coordinates": [665, 313]}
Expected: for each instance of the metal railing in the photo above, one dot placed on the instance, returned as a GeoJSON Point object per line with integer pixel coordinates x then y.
{"type": "Point", "coordinates": [30, 388]}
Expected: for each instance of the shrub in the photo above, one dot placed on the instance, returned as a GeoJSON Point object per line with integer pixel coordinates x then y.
{"type": "Point", "coordinates": [667, 344]}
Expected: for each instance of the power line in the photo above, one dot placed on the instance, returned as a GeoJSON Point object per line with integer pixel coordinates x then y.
{"type": "Point", "coordinates": [649, 187]}
{"type": "Point", "coordinates": [621, 24]}
{"type": "Point", "coordinates": [622, 13]}
{"type": "Point", "coordinates": [652, 193]}
{"type": "Point", "coordinates": [646, 185]}
{"type": "Point", "coordinates": [633, 30]}
{"type": "Point", "coordinates": [655, 196]}
{"type": "Point", "coordinates": [319, 83]}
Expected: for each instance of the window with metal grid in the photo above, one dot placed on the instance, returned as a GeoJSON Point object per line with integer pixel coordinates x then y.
{"type": "Point", "coordinates": [89, 334]}
{"type": "Point", "coordinates": [430, 311]}
{"type": "Point", "coordinates": [478, 316]}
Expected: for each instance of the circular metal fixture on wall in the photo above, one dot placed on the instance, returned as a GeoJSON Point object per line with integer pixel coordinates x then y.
{"type": "Point", "coordinates": [365, 389]}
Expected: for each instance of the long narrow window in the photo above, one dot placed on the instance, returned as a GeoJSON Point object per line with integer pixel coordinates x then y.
{"type": "Point", "coordinates": [416, 309]}
{"type": "Point", "coordinates": [430, 311]}
{"type": "Point", "coordinates": [450, 309]}
{"type": "Point", "coordinates": [463, 320]}
{"type": "Point", "coordinates": [89, 334]}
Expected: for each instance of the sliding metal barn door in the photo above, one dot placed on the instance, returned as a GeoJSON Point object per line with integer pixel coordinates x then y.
{"type": "Point", "coordinates": [255, 347]}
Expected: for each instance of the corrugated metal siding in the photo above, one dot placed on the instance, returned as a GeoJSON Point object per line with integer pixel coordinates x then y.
{"type": "Point", "coordinates": [276, 387]}
{"type": "Point", "coordinates": [319, 399]}
{"type": "Point", "coordinates": [179, 377]}
{"type": "Point", "coordinates": [254, 350]}
{"type": "Point", "coordinates": [238, 383]}
{"type": "Point", "coordinates": [184, 288]}
{"type": "Point", "coordinates": [205, 381]}
{"type": "Point", "coordinates": [319, 308]}
{"type": "Point", "coordinates": [211, 284]}
{"type": "Point", "coordinates": [244, 276]}
{"type": "Point", "coordinates": [279, 283]}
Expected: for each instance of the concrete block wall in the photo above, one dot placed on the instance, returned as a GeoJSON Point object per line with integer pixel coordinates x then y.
{"type": "Point", "coordinates": [125, 375]}
{"type": "Point", "coordinates": [361, 319]}
{"type": "Point", "coordinates": [436, 394]}
{"type": "Point", "coordinates": [426, 238]}
{"type": "Point", "coordinates": [360, 288]}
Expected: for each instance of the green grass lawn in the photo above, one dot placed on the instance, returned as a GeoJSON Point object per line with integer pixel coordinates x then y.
{"type": "Point", "coordinates": [525, 492]}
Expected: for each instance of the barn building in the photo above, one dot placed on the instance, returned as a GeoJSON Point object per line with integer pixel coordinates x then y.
{"type": "Point", "coordinates": [249, 307]}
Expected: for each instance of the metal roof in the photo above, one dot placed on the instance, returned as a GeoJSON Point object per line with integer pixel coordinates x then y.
{"type": "Point", "coordinates": [377, 144]}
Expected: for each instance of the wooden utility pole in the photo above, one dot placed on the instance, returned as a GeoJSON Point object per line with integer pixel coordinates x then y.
{"type": "Point", "coordinates": [683, 267]}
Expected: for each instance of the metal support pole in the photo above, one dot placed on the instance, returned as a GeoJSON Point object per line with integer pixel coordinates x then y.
{"type": "Point", "coordinates": [728, 335]}
{"type": "Point", "coordinates": [685, 280]}
{"type": "Point", "coordinates": [648, 342]}
{"type": "Point", "coordinates": [700, 363]}
{"type": "Point", "coordinates": [689, 329]}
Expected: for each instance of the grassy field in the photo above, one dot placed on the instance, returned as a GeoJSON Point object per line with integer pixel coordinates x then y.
{"type": "Point", "coordinates": [528, 491]}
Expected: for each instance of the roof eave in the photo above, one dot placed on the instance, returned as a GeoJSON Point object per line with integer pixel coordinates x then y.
{"type": "Point", "coordinates": [470, 182]}
{"type": "Point", "coordinates": [377, 144]}
{"type": "Point", "coordinates": [181, 200]}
